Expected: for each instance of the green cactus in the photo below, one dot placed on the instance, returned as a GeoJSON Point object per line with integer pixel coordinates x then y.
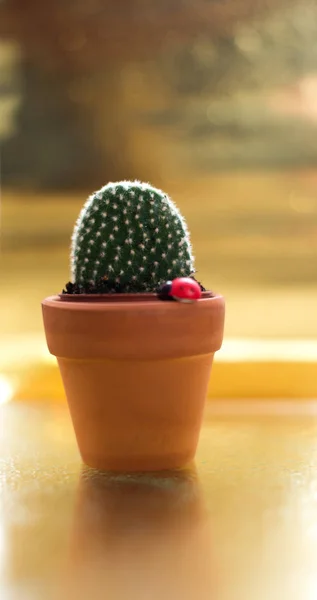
{"type": "Point", "coordinates": [131, 234]}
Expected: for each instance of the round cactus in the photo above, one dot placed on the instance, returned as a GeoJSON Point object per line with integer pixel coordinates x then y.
{"type": "Point", "coordinates": [131, 234]}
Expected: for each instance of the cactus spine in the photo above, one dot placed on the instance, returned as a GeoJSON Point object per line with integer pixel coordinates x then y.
{"type": "Point", "coordinates": [132, 234]}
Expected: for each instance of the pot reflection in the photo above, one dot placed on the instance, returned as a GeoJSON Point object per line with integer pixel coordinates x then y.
{"type": "Point", "coordinates": [140, 536]}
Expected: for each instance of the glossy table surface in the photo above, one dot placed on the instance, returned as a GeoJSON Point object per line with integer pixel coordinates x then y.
{"type": "Point", "coordinates": [240, 525]}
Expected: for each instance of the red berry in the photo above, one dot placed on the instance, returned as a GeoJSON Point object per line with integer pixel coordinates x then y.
{"type": "Point", "coordinates": [185, 289]}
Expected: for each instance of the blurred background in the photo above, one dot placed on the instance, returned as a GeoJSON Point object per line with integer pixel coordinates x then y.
{"type": "Point", "coordinates": [215, 101]}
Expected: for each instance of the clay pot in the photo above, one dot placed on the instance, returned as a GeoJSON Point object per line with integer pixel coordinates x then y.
{"type": "Point", "coordinates": [135, 371]}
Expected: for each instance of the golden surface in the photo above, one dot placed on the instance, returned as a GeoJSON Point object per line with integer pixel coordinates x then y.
{"type": "Point", "coordinates": [240, 527]}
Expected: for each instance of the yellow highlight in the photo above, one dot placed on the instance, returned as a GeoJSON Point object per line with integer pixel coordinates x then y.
{"type": "Point", "coordinates": [264, 379]}
{"type": "Point", "coordinates": [243, 368]}
{"type": "Point", "coordinates": [229, 380]}
{"type": "Point", "coordinates": [6, 389]}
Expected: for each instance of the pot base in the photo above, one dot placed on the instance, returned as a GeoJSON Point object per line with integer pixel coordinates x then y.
{"type": "Point", "coordinates": [137, 415]}
{"type": "Point", "coordinates": [141, 465]}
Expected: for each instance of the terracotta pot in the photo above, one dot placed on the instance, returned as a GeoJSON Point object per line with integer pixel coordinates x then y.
{"type": "Point", "coordinates": [135, 371]}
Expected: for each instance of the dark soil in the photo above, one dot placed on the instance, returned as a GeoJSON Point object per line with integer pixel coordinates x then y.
{"type": "Point", "coordinates": [107, 287]}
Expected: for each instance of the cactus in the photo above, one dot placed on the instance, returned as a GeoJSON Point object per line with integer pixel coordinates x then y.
{"type": "Point", "coordinates": [132, 236]}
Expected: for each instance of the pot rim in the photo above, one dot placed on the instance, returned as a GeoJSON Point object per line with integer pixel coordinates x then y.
{"type": "Point", "coordinates": [123, 297]}
{"type": "Point", "coordinates": [162, 329]}
{"type": "Point", "coordinates": [117, 301]}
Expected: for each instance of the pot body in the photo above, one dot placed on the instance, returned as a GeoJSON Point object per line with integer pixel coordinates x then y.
{"type": "Point", "coordinates": [135, 375]}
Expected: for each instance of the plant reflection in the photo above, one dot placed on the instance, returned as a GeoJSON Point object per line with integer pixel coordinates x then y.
{"type": "Point", "coordinates": [140, 536]}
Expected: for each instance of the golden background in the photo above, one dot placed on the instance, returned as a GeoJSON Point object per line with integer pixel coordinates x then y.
{"type": "Point", "coordinates": [215, 102]}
